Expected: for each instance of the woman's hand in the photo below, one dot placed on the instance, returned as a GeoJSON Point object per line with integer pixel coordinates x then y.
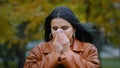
{"type": "Point", "coordinates": [61, 43]}
{"type": "Point", "coordinates": [57, 46]}
{"type": "Point", "coordinates": [64, 42]}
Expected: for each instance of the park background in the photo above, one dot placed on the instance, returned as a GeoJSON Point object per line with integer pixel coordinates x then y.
{"type": "Point", "coordinates": [21, 27]}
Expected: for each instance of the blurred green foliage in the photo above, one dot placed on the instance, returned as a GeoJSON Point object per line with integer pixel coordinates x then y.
{"type": "Point", "coordinates": [12, 13]}
{"type": "Point", "coordinates": [110, 63]}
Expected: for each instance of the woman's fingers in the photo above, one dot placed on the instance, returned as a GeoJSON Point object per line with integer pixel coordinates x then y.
{"type": "Point", "coordinates": [61, 43]}
{"type": "Point", "coordinates": [56, 45]}
{"type": "Point", "coordinates": [63, 38]}
{"type": "Point", "coordinates": [64, 41]}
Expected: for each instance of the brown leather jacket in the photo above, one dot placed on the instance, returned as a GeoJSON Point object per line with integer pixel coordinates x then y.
{"type": "Point", "coordinates": [82, 55]}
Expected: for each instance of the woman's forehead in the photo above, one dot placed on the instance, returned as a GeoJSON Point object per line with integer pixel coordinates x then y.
{"type": "Point", "coordinates": [59, 22]}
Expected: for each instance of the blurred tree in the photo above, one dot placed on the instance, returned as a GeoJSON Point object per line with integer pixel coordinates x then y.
{"type": "Point", "coordinates": [22, 21]}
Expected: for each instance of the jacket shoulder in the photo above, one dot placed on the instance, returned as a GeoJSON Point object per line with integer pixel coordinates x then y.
{"type": "Point", "coordinates": [38, 47]}
{"type": "Point", "coordinates": [88, 45]}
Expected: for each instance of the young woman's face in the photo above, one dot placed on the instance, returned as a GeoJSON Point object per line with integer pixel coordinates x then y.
{"type": "Point", "coordinates": [59, 24]}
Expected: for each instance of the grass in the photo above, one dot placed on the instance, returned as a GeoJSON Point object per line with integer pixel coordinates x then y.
{"type": "Point", "coordinates": [106, 63]}
{"type": "Point", "coordinates": [11, 65]}
{"type": "Point", "coordinates": [110, 63]}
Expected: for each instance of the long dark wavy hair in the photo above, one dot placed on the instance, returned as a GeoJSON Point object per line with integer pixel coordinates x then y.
{"type": "Point", "coordinates": [82, 34]}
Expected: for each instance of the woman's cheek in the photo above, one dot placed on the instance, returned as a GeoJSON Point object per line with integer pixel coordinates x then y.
{"type": "Point", "coordinates": [53, 34]}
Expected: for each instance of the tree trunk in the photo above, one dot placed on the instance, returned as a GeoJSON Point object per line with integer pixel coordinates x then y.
{"type": "Point", "coordinates": [21, 58]}
{"type": "Point", "coordinates": [6, 63]}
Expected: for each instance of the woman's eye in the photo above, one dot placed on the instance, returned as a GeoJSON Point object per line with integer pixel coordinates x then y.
{"type": "Point", "coordinates": [65, 27]}
{"type": "Point", "coordinates": [54, 28]}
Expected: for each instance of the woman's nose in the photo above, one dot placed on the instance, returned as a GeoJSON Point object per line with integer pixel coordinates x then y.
{"type": "Point", "coordinates": [59, 30]}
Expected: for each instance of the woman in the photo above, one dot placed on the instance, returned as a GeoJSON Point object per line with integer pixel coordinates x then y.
{"type": "Point", "coordinates": [68, 44]}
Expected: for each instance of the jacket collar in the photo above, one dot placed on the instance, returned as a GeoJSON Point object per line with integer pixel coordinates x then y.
{"type": "Point", "coordinates": [77, 46]}
{"type": "Point", "coordinates": [47, 47]}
